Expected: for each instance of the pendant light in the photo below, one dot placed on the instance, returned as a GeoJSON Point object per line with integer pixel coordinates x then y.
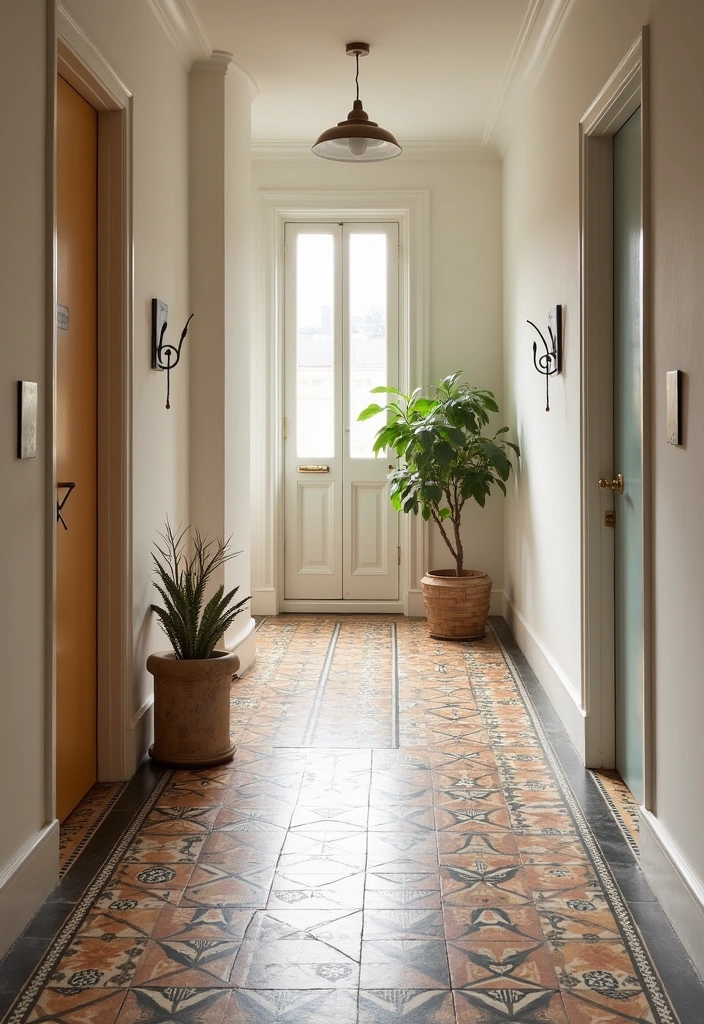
{"type": "Point", "coordinates": [357, 140]}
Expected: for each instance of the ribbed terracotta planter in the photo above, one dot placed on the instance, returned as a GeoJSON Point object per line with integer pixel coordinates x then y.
{"type": "Point", "coordinates": [457, 607]}
{"type": "Point", "coordinates": [192, 709]}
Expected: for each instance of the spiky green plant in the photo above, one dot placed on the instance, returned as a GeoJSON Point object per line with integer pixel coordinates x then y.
{"type": "Point", "coordinates": [193, 626]}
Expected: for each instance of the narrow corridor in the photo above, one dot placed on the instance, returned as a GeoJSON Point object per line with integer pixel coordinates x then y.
{"type": "Point", "coordinates": [395, 840]}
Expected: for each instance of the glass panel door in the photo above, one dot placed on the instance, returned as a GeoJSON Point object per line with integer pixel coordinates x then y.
{"type": "Point", "coordinates": [341, 340]}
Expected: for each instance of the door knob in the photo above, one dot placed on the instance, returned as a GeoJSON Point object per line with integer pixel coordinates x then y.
{"type": "Point", "coordinates": [615, 485]}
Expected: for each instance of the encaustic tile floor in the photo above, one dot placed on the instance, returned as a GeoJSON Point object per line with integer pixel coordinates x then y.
{"type": "Point", "coordinates": [395, 840]}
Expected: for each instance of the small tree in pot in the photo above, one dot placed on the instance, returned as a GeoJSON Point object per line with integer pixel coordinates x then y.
{"type": "Point", "coordinates": [192, 683]}
{"type": "Point", "coordinates": [445, 461]}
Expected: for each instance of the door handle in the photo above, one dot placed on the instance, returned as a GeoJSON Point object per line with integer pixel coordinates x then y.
{"type": "Point", "coordinates": [313, 469]}
{"type": "Point", "coordinates": [615, 484]}
{"type": "Point", "coordinates": [60, 504]}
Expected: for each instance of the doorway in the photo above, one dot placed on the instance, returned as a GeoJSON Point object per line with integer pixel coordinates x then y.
{"type": "Point", "coordinates": [616, 568]}
{"type": "Point", "coordinates": [628, 455]}
{"type": "Point", "coordinates": [76, 447]}
{"type": "Point", "coordinates": [341, 339]}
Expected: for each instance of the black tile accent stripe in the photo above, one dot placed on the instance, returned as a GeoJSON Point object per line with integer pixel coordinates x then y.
{"type": "Point", "coordinates": [628, 835]}
{"type": "Point", "coordinates": [394, 685]}
{"type": "Point", "coordinates": [312, 723]}
{"type": "Point", "coordinates": [30, 961]}
{"type": "Point", "coordinates": [674, 967]}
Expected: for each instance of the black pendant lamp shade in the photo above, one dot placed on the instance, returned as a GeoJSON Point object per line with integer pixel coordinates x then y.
{"type": "Point", "coordinates": [357, 140]}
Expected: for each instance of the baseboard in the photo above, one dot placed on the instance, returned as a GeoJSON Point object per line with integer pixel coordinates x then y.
{"type": "Point", "coordinates": [556, 685]}
{"type": "Point", "coordinates": [679, 891]}
{"type": "Point", "coordinates": [265, 601]}
{"type": "Point", "coordinates": [414, 607]}
{"type": "Point", "coordinates": [245, 646]}
{"type": "Point", "coordinates": [138, 736]}
{"type": "Point", "coordinates": [27, 882]}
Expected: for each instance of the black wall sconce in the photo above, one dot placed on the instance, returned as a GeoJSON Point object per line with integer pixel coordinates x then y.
{"type": "Point", "coordinates": [550, 361]}
{"type": "Point", "coordinates": [164, 355]}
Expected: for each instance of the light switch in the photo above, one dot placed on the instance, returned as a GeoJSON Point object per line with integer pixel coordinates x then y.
{"type": "Point", "coordinates": [26, 419]}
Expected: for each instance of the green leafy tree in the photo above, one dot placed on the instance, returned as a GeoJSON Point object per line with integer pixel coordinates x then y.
{"type": "Point", "coordinates": [444, 458]}
{"type": "Point", "coordinates": [193, 626]}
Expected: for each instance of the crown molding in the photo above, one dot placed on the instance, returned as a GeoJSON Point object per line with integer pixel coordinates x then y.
{"type": "Point", "coordinates": [183, 28]}
{"type": "Point", "coordinates": [541, 29]}
{"type": "Point", "coordinates": [415, 151]}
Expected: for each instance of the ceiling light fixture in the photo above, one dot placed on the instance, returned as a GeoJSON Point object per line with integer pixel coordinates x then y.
{"type": "Point", "coordinates": [357, 140]}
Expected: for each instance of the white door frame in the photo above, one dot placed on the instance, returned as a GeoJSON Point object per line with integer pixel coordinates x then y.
{"type": "Point", "coordinates": [410, 209]}
{"type": "Point", "coordinates": [620, 97]}
{"type": "Point", "coordinates": [86, 70]}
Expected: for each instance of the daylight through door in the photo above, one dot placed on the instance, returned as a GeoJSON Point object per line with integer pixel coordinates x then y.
{"type": "Point", "coordinates": [341, 340]}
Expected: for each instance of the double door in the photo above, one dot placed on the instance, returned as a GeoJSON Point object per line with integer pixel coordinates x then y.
{"type": "Point", "coordinates": [341, 533]}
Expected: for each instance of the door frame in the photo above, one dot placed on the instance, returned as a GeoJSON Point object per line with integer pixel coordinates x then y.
{"type": "Point", "coordinates": [623, 93]}
{"type": "Point", "coordinates": [73, 56]}
{"type": "Point", "coordinates": [410, 210]}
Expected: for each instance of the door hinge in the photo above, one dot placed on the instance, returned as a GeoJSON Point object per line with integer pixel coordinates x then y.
{"type": "Point", "coordinates": [284, 253]}
{"type": "Point", "coordinates": [284, 431]}
{"type": "Point", "coordinates": [610, 519]}
{"type": "Point", "coordinates": [398, 251]}
{"type": "Point", "coordinates": [399, 554]}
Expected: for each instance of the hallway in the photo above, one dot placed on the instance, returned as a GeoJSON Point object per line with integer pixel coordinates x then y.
{"type": "Point", "coordinates": [395, 840]}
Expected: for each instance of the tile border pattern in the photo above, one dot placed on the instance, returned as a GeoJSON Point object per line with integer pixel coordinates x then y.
{"type": "Point", "coordinates": [27, 997]}
{"type": "Point", "coordinates": [66, 862]}
{"type": "Point", "coordinates": [312, 724]}
{"type": "Point", "coordinates": [614, 808]}
{"type": "Point", "coordinates": [395, 686]}
{"type": "Point", "coordinates": [659, 1001]}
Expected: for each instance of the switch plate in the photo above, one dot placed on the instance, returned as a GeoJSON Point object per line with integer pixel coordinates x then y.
{"type": "Point", "coordinates": [26, 419]}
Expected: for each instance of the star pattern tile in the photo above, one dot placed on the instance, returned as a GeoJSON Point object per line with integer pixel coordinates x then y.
{"type": "Point", "coordinates": [325, 875]}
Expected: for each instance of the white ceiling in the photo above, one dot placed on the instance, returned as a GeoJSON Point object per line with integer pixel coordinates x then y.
{"type": "Point", "coordinates": [439, 71]}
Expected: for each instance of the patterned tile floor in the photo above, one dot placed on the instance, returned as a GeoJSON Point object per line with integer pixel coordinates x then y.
{"type": "Point", "coordinates": [621, 802]}
{"type": "Point", "coordinates": [394, 841]}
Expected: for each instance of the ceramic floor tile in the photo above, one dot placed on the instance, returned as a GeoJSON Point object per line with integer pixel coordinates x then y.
{"type": "Point", "coordinates": [443, 881]}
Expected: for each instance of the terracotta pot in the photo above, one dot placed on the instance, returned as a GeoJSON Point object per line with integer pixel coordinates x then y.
{"type": "Point", "coordinates": [457, 607]}
{"type": "Point", "coordinates": [192, 709]}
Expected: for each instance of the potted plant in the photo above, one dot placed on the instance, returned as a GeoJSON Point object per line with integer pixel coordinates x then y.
{"type": "Point", "coordinates": [444, 461]}
{"type": "Point", "coordinates": [192, 682]}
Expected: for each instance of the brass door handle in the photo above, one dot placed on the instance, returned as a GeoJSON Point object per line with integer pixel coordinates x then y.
{"type": "Point", "coordinates": [615, 485]}
{"type": "Point", "coordinates": [313, 469]}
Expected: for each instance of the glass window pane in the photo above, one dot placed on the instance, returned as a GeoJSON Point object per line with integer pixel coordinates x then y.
{"type": "Point", "coordinates": [368, 332]}
{"type": "Point", "coordinates": [315, 347]}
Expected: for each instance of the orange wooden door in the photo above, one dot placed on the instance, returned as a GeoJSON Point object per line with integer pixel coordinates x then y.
{"type": "Point", "coordinates": [76, 449]}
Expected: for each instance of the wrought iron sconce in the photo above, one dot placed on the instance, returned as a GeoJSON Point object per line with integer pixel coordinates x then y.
{"type": "Point", "coordinates": [164, 355]}
{"type": "Point", "coordinates": [550, 362]}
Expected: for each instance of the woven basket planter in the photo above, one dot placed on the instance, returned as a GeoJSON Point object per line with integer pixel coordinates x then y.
{"type": "Point", "coordinates": [457, 607]}
{"type": "Point", "coordinates": [192, 709]}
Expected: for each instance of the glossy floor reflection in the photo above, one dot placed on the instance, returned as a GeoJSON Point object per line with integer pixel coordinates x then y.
{"type": "Point", "coordinates": [394, 841]}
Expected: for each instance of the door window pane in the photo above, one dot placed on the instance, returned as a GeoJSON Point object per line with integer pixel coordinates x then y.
{"type": "Point", "coordinates": [368, 327]}
{"type": "Point", "coordinates": [315, 347]}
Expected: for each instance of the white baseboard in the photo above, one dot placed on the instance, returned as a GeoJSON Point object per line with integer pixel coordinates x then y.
{"type": "Point", "coordinates": [556, 685]}
{"type": "Point", "coordinates": [265, 601]}
{"type": "Point", "coordinates": [680, 892]}
{"type": "Point", "coordinates": [245, 646]}
{"type": "Point", "coordinates": [26, 883]}
{"type": "Point", "coordinates": [138, 736]}
{"type": "Point", "coordinates": [414, 607]}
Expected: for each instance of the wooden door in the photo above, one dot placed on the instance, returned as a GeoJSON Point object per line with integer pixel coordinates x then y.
{"type": "Point", "coordinates": [76, 448]}
{"type": "Point", "coordinates": [628, 448]}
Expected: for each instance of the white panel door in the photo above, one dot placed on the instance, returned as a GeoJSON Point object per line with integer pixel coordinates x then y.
{"type": "Point", "coordinates": [341, 340]}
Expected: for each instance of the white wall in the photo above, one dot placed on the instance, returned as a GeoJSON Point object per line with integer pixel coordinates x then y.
{"type": "Point", "coordinates": [23, 809]}
{"type": "Point", "coordinates": [465, 289]}
{"type": "Point", "coordinates": [541, 267]}
{"type": "Point", "coordinates": [133, 43]}
{"type": "Point", "coordinates": [129, 38]}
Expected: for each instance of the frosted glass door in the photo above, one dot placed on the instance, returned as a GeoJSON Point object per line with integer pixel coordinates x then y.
{"type": "Point", "coordinates": [341, 340]}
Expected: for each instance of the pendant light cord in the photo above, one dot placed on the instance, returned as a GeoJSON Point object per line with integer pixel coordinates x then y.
{"type": "Point", "coordinates": [356, 77]}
